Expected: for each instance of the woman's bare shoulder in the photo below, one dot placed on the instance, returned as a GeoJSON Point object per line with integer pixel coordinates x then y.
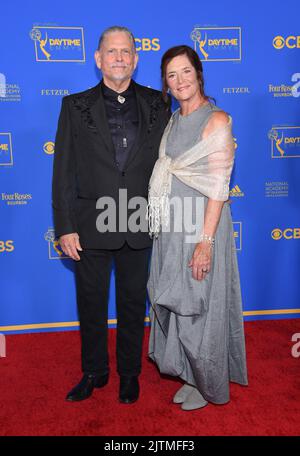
{"type": "Point", "coordinates": [217, 119]}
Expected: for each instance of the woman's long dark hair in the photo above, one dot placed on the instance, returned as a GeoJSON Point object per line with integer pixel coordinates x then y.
{"type": "Point", "coordinates": [195, 62]}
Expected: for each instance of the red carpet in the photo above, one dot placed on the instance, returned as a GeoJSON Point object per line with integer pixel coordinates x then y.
{"type": "Point", "coordinates": [40, 368]}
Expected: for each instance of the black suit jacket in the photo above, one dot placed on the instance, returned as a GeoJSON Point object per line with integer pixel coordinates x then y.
{"type": "Point", "coordinates": [85, 168]}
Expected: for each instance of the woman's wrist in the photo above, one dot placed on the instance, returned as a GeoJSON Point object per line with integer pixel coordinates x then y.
{"type": "Point", "coordinates": [207, 239]}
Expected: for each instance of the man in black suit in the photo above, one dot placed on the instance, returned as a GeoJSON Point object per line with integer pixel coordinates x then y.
{"type": "Point", "coordinates": [107, 140]}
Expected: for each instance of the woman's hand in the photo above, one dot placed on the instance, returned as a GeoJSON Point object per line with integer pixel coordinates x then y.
{"type": "Point", "coordinates": [201, 260]}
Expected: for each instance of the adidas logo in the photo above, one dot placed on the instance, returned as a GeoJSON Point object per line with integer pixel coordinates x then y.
{"type": "Point", "coordinates": [236, 191]}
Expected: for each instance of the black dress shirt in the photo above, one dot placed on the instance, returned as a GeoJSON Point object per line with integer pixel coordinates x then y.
{"type": "Point", "coordinates": [122, 119]}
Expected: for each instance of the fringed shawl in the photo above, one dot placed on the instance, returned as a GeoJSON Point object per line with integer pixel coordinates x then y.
{"type": "Point", "coordinates": [205, 167]}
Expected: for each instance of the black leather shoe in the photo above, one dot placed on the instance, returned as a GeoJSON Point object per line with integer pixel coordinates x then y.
{"type": "Point", "coordinates": [129, 389]}
{"type": "Point", "coordinates": [85, 387]}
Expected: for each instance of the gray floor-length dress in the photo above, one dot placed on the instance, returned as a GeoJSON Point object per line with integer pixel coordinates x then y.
{"type": "Point", "coordinates": [196, 326]}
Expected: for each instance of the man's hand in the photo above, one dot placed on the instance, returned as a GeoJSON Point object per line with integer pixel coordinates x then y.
{"type": "Point", "coordinates": [70, 244]}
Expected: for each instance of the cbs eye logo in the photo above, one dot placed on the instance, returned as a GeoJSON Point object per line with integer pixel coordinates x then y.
{"type": "Point", "coordinates": [49, 147]}
{"type": "Point", "coordinates": [6, 246]}
{"type": "Point", "coordinates": [290, 42]}
{"type": "Point", "coordinates": [288, 233]}
{"type": "Point", "coordinates": [278, 42]}
{"type": "Point", "coordinates": [276, 234]}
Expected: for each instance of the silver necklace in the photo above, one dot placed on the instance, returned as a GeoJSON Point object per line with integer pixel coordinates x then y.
{"type": "Point", "coordinates": [121, 99]}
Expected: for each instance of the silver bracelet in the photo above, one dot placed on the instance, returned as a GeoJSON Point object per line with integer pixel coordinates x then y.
{"type": "Point", "coordinates": [207, 238]}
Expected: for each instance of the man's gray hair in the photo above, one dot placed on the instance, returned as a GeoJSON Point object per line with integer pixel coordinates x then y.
{"type": "Point", "coordinates": [117, 28]}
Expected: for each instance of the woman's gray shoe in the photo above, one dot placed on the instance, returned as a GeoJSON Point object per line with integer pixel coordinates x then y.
{"type": "Point", "coordinates": [183, 393]}
{"type": "Point", "coordinates": [194, 401]}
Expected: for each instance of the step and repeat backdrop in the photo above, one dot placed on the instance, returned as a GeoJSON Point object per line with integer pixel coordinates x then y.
{"type": "Point", "coordinates": [251, 57]}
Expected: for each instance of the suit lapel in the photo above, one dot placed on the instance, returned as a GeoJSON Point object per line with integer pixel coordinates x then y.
{"type": "Point", "coordinates": [99, 119]}
{"type": "Point", "coordinates": [144, 120]}
{"type": "Point", "coordinates": [98, 113]}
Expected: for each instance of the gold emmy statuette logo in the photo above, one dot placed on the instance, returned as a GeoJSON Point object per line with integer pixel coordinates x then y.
{"type": "Point", "coordinates": [49, 147]}
{"type": "Point", "coordinates": [36, 35]}
{"type": "Point", "coordinates": [273, 135]}
{"type": "Point", "coordinates": [278, 143]}
{"type": "Point", "coordinates": [276, 234]}
{"type": "Point", "coordinates": [278, 42]}
{"type": "Point", "coordinates": [196, 37]}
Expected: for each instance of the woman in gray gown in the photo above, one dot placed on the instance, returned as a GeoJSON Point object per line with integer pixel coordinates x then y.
{"type": "Point", "coordinates": [196, 311]}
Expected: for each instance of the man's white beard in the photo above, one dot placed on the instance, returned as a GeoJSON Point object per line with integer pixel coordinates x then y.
{"type": "Point", "coordinates": [120, 77]}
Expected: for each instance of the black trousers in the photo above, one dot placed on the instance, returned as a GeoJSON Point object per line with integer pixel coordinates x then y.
{"type": "Point", "coordinates": [93, 273]}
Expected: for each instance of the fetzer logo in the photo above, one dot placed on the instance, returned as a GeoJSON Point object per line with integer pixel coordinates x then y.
{"type": "Point", "coordinates": [58, 44]}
